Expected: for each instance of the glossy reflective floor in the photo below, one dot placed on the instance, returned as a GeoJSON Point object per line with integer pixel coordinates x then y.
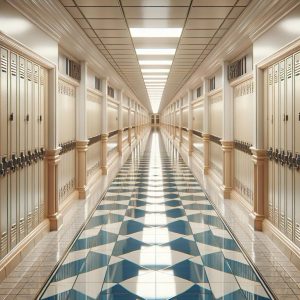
{"type": "Point", "coordinates": [155, 235]}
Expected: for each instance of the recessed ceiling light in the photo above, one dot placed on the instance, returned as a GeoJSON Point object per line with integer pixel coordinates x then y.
{"type": "Point", "coordinates": [155, 32]}
{"type": "Point", "coordinates": [155, 62]}
{"type": "Point", "coordinates": [155, 80]}
{"type": "Point", "coordinates": [155, 51]}
{"type": "Point", "coordinates": [155, 70]}
{"type": "Point", "coordinates": [155, 76]}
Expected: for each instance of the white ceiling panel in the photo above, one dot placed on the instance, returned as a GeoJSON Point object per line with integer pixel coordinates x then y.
{"type": "Point", "coordinates": [112, 33]}
{"type": "Point", "coordinates": [155, 12]}
{"type": "Point", "coordinates": [191, 41]}
{"type": "Point", "coordinates": [156, 23]}
{"type": "Point", "coordinates": [155, 2]}
{"type": "Point", "coordinates": [97, 2]}
{"type": "Point", "coordinates": [210, 12]}
{"type": "Point", "coordinates": [108, 23]}
{"type": "Point", "coordinates": [83, 23]}
{"type": "Point", "coordinates": [214, 2]}
{"type": "Point", "coordinates": [110, 41]}
{"type": "Point", "coordinates": [102, 12]}
{"type": "Point", "coordinates": [198, 33]}
{"type": "Point", "coordinates": [203, 23]}
{"type": "Point", "coordinates": [74, 11]}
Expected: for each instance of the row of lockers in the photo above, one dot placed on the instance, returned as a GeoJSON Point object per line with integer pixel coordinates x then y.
{"type": "Point", "coordinates": [23, 97]}
{"type": "Point", "coordinates": [282, 93]}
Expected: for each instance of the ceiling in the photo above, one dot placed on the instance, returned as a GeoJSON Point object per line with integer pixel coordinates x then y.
{"type": "Point", "coordinates": [120, 27]}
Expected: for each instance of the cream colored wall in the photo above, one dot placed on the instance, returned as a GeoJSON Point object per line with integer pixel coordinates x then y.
{"type": "Point", "coordinates": [15, 25]}
{"type": "Point", "coordinates": [198, 117]}
{"type": "Point", "coordinates": [185, 117]}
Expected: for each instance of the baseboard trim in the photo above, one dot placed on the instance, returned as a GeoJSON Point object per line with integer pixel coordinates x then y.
{"type": "Point", "coordinates": [290, 249]}
{"type": "Point", "coordinates": [15, 256]}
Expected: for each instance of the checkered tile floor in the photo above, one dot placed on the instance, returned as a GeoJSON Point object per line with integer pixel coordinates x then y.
{"type": "Point", "coordinates": [155, 235]}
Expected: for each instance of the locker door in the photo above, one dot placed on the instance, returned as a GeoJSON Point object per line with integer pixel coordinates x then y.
{"type": "Point", "coordinates": [270, 142]}
{"type": "Point", "coordinates": [4, 56]}
{"type": "Point", "coordinates": [35, 144]}
{"type": "Point", "coordinates": [282, 131]}
{"type": "Point", "coordinates": [289, 147]}
{"type": "Point", "coordinates": [276, 144]}
{"type": "Point", "coordinates": [13, 136]}
{"type": "Point", "coordinates": [22, 147]}
{"type": "Point", "coordinates": [29, 146]}
{"type": "Point", "coordinates": [42, 143]}
{"type": "Point", "coordinates": [297, 145]}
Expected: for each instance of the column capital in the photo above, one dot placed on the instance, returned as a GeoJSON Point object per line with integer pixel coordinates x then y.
{"type": "Point", "coordinates": [104, 136]}
{"type": "Point", "coordinates": [227, 145]}
{"type": "Point", "coordinates": [82, 145]}
{"type": "Point", "coordinates": [52, 155]}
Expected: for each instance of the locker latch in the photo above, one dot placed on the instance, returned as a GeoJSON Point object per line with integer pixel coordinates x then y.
{"type": "Point", "coordinates": [2, 167]}
{"type": "Point", "coordinates": [11, 117]}
{"type": "Point", "coordinates": [22, 160]}
{"type": "Point", "coordinates": [29, 158]}
{"type": "Point", "coordinates": [14, 162]}
{"type": "Point", "coordinates": [35, 156]}
{"type": "Point", "coordinates": [42, 154]}
{"type": "Point", "coordinates": [297, 161]}
{"type": "Point", "coordinates": [290, 159]}
{"type": "Point", "coordinates": [282, 157]}
{"type": "Point", "coordinates": [270, 153]}
{"type": "Point", "coordinates": [276, 155]}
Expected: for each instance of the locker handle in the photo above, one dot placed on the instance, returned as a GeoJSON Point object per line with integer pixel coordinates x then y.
{"type": "Point", "coordinates": [27, 118]}
{"type": "Point", "coordinates": [299, 116]}
{"type": "Point", "coordinates": [11, 117]}
{"type": "Point", "coordinates": [41, 118]}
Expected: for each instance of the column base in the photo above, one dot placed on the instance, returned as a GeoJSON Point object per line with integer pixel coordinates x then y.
{"type": "Point", "coordinates": [83, 192]}
{"type": "Point", "coordinates": [104, 170]}
{"type": "Point", "coordinates": [56, 222]}
{"type": "Point", "coordinates": [256, 221]}
{"type": "Point", "coordinates": [206, 170]}
{"type": "Point", "coordinates": [226, 192]}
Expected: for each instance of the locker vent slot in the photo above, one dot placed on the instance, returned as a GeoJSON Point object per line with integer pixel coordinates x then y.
{"type": "Point", "coordinates": [275, 76]}
{"type": "Point", "coordinates": [289, 71]}
{"type": "Point", "coordinates": [36, 76]}
{"type": "Point", "coordinates": [282, 223]}
{"type": "Point", "coordinates": [282, 73]}
{"type": "Point", "coordinates": [13, 68]}
{"type": "Point", "coordinates": [270, 79]}
{"type": "Point", "coordinates": [297, 232]}
{"type": "Point", "coordinates": [270, 212]}
{"type": "Point", "coordinates": [297, 67]}
{"type": "Point", "coordinates": [29, 74]}
{"type": "Point", "coordinates": [22, 71]}
{"type": "Point", "coordinates": [13, 234]}
{"type": "Point", "coordinates": [3, 63]}
{"type": "Point", "coordinates": [289, 226]}
{"type": "Point", "coordinates": [22, 232]}
{"type": "Point", "coordinates": [29, 222]}
{"type": "Point", "coordinates": [3, 244]}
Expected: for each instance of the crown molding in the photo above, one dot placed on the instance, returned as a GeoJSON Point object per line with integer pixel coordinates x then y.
{"type": "Point", "coordinates": [54, 20]}
{"type": "Point", "coordinates": [256, 19]}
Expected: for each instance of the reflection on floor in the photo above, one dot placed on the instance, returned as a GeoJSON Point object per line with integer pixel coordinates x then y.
{"type": "Point", "coordinates": [155, 235]}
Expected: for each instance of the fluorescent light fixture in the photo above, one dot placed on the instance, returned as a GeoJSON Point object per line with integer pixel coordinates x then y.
{"type": "Point", "coordinates": [155, 76]}
{"type": "Point", "coordinates": [155, 51]}
{"type": "Point", "coordinates": [155, 70]}
{"type": "Point", "coordinates": [155, 32]}
{"type": "Point", "coordinates": [155, 80]}
{"type": "Point", "coordinates": [155, 62]}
